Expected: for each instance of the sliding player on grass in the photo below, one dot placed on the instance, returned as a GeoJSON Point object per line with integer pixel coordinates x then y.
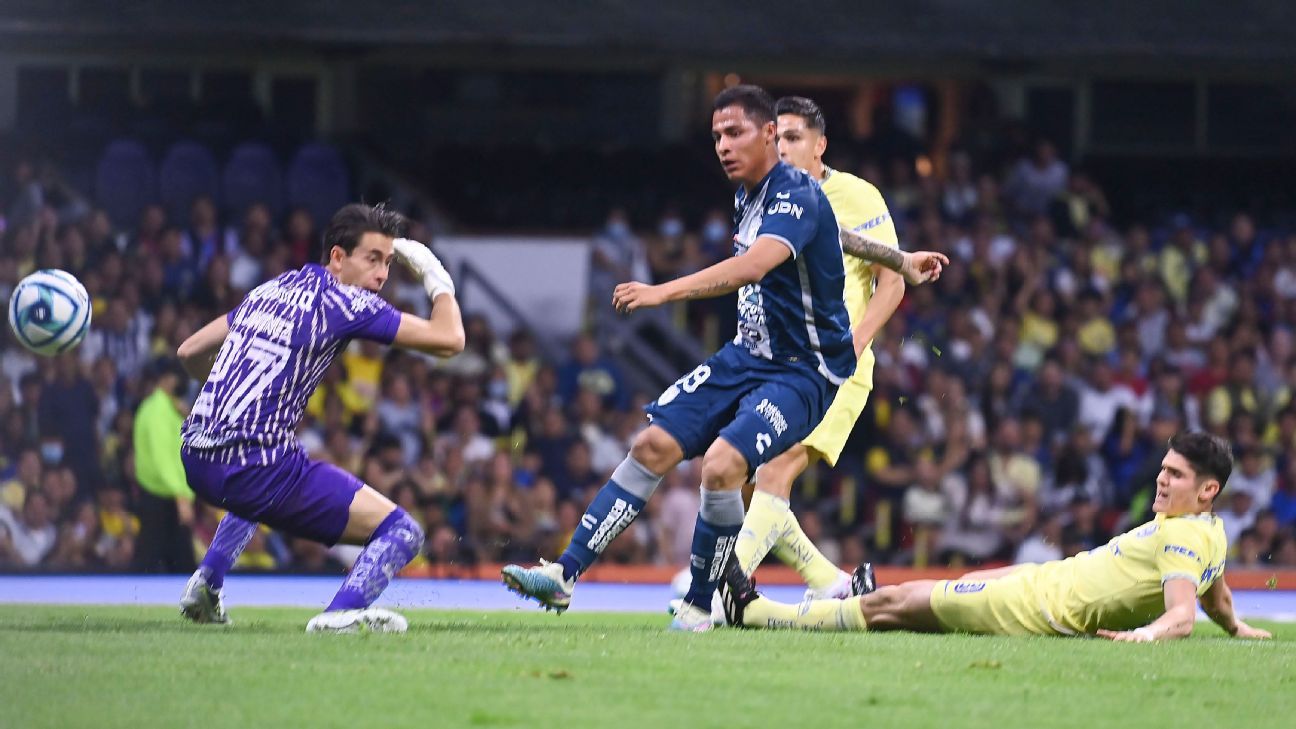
{"type": "Point", "coordinates": [1143, 585]}
{"type": "Point", "coordinates": [759, 394]}
{"type": "Point", "coordinates": [260, 363]}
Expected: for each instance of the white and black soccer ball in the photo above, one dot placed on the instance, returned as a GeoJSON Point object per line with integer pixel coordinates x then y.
{"type": "Point", "coordinates": [49, 312]}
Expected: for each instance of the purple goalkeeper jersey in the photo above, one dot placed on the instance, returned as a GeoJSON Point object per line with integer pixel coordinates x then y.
{"type": "Point", "coordinates": [282, 338]}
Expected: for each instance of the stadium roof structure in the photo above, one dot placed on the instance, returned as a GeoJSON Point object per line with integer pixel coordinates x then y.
{"type": "Point", "coordinates": [1255, 31]}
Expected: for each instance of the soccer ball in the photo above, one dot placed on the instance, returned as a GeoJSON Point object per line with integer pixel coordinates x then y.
{"type": "Point", "coordinates": [49, 312]}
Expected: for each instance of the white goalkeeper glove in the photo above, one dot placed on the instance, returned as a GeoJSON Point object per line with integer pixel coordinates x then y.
{"type": "Point", "coordinates": [423, 263]}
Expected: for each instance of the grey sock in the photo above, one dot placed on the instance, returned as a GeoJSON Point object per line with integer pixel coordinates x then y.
{"type": "Point", "coordinates": [634, 477]}
{"type": "Point", "coordinates": [722, 508]}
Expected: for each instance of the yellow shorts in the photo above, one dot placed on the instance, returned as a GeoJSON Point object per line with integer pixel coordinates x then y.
{"type": "Point", "coordinates": [829, 437]}
{"type": "Point", "coordinates": [1006, 606]}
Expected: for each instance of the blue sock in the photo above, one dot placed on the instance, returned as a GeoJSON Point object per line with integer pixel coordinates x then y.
{"type": "Point", "coordinates": [393, 544]}
{"type": "Point", "coordinates": [714, 536]}
{"type": "Point", "coordinates": [612, 510]}
{"type": "Point", "coordinates": [614, 507]}
{"type": "Point", "coordinates": [231, 538]}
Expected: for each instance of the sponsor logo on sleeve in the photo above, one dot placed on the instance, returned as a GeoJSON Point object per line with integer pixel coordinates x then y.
{"type": "Point", "coordinates": [782, 206]}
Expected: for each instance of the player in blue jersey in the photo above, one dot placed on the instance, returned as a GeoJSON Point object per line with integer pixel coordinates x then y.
{"type": "Point", "coordinates": [757, 396]}
{"type": "Point", "coordinates": [260, 364]}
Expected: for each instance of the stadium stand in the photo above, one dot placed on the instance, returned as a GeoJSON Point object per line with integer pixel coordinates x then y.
{"type": "Point", "coordinates": [1019, 413]}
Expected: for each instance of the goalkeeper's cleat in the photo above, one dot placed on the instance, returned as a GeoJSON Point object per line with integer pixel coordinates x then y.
{"type": "Point", "coordinates": [367, 620]}
{"type": "Point", "coordinates": [840, 589]}
{"type": "Point", "coordinates": [200, 603]}
{"type": "Point", "coordinates": [737, 591]}
{"type": "Point", "coordinates": [692, 619]}
{"type": "Point", "coordinates": [717, 612]}
{"type": "Point", "coordinates": [863, 581]}
{"type": "Point", "coordinates": [544, 584]}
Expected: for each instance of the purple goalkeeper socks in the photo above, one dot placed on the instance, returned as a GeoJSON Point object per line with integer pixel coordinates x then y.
{"type": "Point", "coordinates": [232, 536]}
{"type": "Point", "coordinates": [393, 544]}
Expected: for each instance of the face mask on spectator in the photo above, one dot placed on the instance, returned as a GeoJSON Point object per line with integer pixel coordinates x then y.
{"type": "Point", "coordinates": [618, 229]}
{"type": "Point", "coordinates": [715, 231]}
{"type": "Point", "coordinates": [497, 390]}
{"type": "Point", "coordinates": [671, 227]}
{"type": "Point", "coordinates": [51, 452]}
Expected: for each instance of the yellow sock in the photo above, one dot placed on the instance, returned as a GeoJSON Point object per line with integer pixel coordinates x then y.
{"type": "Point", "coordinates": [760, 530]}
{"type": "Point", "coordinates": [810, 615]}
{"type": "Point", "coordinates": [796, 550]}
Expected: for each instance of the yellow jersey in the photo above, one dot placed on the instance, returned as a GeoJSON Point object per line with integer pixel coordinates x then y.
{"type": "Point", "coordinates": [1119, 586]}
{"type": "Point", "coordinates": [859, 206]}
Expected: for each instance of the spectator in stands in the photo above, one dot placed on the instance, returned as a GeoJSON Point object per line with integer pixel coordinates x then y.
{"type": "Point", "coordinates": [1082, 532]}
{"type": "Point", "coordinates": [28, 197]}
{"type": "Point", "coordinates": [1051, 399]}
{"type": "Point", "coordinates": [1101, 398]}
{"type": "Point", "coordinates": [974, 530]}
{"type": "Point", "coordinates": [926, 509]}
{"type": "Point", "coordinates": [400, 416]}
{"type": "Point", "coordinates": [26, 539]}
{"type": "Point", "coordinates": [1044, 544]}
{"type": "Point", "coordinates": [301, 240]}
{"type": "Point", "coordinates": [591, 370]}
{"type": "Point", "coordinates": [672, 252]}
{"type": "Point", "coordinates": [1035, 182]}
{"type": "Point", "coordinates": [68, 409]}
{"type": "Point", "coordinates": [1255, 475]}
{"type": "Point", "coordinates": [618, 256]}
{"type": "Point", "coordinates": [1015, 476]}
{"type": "Point", "coordinates": [166, 504]}
{"type": "Point", "coordinates": [203, 238]}
{"type": "Point", "coordinates": [25, 478]}
{"type": "Point", "coordinates": [123, 336]}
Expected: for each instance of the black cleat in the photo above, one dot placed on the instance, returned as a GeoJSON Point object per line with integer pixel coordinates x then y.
{"type": "Point", "coordinates": [862, 580]}
{"type": "Point", "coordinates": [737, 591]}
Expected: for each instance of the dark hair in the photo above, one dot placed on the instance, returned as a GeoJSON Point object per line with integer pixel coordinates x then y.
{"type": "Point", "coordinates": [1210, 456]}
{"type": "Point", "coordinates": [756, 102]}
{"type": "Point", "coordinates": [350, 224]}
{"type": "Point", "coordinates": [804, 108]}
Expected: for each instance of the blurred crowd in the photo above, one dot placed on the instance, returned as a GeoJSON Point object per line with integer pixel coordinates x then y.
{"type": "Point", "coordinates": [1021, 407]}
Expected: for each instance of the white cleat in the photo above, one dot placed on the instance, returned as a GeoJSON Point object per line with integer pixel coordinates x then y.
{"type": "Point", "coordinates": [692, 619]}
{"type": "Point", "coordinates": [368, 620]}
{"type": "Point", "coordinates": [838, 590]}
{"type": "Point", "coordinates": [717, 610]}
{"type": "Point", "coordinates": [543, 583]}
{"type": "Point", "coordinates": [200, 603]}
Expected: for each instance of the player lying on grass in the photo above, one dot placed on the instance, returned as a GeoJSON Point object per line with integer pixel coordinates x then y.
{"type": "Point", "coordinates": [1143, 585]}
{"type": "Point", "coordinates": [260, 363]}
{"type": "Point", "coordinates": [758, 395]}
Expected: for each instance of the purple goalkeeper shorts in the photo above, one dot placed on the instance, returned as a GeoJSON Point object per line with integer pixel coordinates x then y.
{"type": "Point", "coordinates": [296, 495]}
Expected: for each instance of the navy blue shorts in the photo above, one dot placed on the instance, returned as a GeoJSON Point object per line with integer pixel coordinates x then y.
{"type": "Point", "coordinates": [296, 495]}
{"type": "Point", "coordinates": [758, 406]}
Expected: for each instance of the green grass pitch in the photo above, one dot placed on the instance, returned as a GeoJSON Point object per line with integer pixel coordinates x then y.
{"type": "Point", "coordinates": [144, 667]}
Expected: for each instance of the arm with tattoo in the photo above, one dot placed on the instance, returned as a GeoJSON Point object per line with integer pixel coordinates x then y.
{"type": "Point", "coordinates": [916, 268]}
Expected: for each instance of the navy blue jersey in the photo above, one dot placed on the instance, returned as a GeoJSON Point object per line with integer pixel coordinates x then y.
{"type": "Point", "coordinates": [797, 312]}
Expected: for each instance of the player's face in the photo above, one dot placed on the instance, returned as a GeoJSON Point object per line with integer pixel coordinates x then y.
{"type": "Point", "coordinates": [1178, 489]}
{"type": "Point", "coordinates": [742, 145]}
{"type": "Point", "coordinates": [798, 144]}
{"type": "Point", "coordinates": [368, 265]}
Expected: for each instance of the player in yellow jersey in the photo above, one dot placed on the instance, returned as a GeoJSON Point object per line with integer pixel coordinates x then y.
{"type": "Point", "coordinates": [872, 295]}
{"type": "Point", "coordinates": [1142, 586]}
